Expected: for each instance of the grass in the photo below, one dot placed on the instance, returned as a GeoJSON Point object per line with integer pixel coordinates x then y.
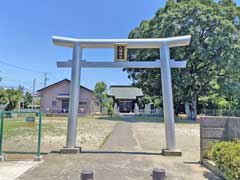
{"type": "Point", "coordinates": [19, 127]}
{"type": "Point", "coordinates": [18, 136]}
{"type": "Point", "coordinates": [159, 119]}
{"type": "Point", "coordinates": [140, 118]}
{"type": "Point", "coordinates": [92, 131]}
{"type": "Point", "coordinates": [145, 118]}
{"type": "Point", "coordinates": [111, 118]}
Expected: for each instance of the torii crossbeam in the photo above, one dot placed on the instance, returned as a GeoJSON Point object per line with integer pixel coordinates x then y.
{"type": "Point", "coordinates": [165, 64]}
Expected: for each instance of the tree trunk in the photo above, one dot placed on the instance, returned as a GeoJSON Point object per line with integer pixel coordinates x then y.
{"type": "Point", "coordinates": [187, 110]}
{"type": "Point", "coordinates": [194, 108]}
{"type": "Point", "coordinates": [101, 106]}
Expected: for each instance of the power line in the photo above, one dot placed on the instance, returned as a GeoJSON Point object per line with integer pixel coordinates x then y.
{"type": "Point", "coordinates": [22, 68]}
{"type": "Point", "coordinates": [28, 69]}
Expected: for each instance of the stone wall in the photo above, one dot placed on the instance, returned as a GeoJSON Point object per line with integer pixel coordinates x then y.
{"type": "Point", "coordinates": [215, 128]}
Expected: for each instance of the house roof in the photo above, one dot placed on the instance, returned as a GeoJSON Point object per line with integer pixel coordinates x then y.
{"type": "Point", "coordinates": [125, 92]}
{"type": "Point", "coordinates": [62, 82]}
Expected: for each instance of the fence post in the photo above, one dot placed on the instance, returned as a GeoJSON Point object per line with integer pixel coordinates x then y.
{"type": "Point", "coordinates": [87, 175]}
{"type": "Point", "coordinates": [2, 157]}
{"type": "Point", "coordinates": [38, 157]}
{"type": "Point", "coordinates": [158, 174]}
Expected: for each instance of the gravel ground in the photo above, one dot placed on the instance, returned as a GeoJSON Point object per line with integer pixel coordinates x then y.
{"type": "Point", "coordinates": [91, 133]}
{"type": "Point", "coordinates": [131, 152]}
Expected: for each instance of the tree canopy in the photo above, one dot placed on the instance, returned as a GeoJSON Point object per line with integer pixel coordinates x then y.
{"type": "Point", "coordinates": [212, 56]}
{"type": "Point", "coordinates": [3, 97]}
{"type": "Point", "coordinates": [10, 98]}
{"type": "Point", "coordinates": [27, 99]}
{"type": "Point", "coordinates": [14, 96]}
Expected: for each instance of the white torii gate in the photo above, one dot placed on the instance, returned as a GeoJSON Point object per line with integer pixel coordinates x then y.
{"type": "Point", "coordinates": [164, 63]}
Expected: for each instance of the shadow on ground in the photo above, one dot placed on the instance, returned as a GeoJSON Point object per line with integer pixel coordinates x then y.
{"type": "Point", "coordinates": [120, 152]}
{"type": "Point", "coordinates": [210, 176]}
{"type": "Point", "coordinates": [145, 119]}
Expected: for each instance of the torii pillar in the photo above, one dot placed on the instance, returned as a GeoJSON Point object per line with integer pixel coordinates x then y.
{"type": "Point", "coordinates": [168, 103]}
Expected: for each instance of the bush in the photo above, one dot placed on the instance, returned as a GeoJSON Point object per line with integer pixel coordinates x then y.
{"type": "Point", "coordinates": [109, 105]}
{"type": "Point", "coordinates": [226, 155]}
{"type": "Point", "coordinates": [110, 111]}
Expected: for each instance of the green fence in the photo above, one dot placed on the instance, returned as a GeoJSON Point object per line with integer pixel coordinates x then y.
{"type": "Point", "coordinates": [221, 112]}
{"type": "Point", "coordinates": [20, 133]}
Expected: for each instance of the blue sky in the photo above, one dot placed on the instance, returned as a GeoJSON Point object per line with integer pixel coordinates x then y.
{"type": "Point", "coordinates": [26, 28]}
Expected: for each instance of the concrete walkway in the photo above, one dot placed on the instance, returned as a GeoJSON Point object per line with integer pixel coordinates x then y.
{"type": "Point", "coordinates": [122, 157]}
{"type": "Point", "coordinates": [11, 170]}
{"type": "Point", "coordinates": [121, 139]}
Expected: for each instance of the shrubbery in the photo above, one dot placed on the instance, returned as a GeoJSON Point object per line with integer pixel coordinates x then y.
{"type": "Point", "coordinates": [226, 155]}
{"type": "Point", "coordinates": [109, 105]}
{"type": "Point", "coordinates": [110, 111]}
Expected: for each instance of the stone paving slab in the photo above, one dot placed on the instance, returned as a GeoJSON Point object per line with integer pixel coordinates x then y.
{"type": "Point", "coordinates": [10, 170]}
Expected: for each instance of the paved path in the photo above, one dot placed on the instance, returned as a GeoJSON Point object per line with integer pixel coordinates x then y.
{"type": "Point", "coordinates": [122, 157]}
{"type": "Point", "coordinates": [121, 139]}
{"type": "Point", "coordinates": [11, 170]}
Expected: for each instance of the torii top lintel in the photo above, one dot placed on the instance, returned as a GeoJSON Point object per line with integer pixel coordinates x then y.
{"type": "Point", "coordinates": [131, 43]}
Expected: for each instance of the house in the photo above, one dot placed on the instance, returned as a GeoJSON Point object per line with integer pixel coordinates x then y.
{"type": "Point", "coordinates": [55, 98]}
{"type": "Point", "coordinates": [125, 97]}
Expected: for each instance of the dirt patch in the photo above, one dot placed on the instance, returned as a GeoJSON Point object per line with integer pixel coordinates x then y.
{"type": "Point", "coordinates": [91, 132]}
{"type": "Point", "coordinates": [152, 136]}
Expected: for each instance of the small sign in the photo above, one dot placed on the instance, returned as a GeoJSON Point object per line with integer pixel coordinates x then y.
{"type": "Point", "coordinates": [30, 121]}
{"type": "Point", "coordinates": [120, 51]}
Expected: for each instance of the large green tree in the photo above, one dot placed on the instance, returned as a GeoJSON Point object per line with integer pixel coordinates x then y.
{"type": "Point", "coordinates": [212, 55]}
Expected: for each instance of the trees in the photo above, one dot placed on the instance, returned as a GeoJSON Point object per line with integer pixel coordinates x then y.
{"type": "Point", "coordinates": [14, 97]}
{"type": "Point", "coordinates": [100, 91]}
{"type": "Point", "coordinates": [10, 98]}
{"type": "Point", "coordinates": [27, 99]}
{"type": "Point", "coordinates": [3, 97]}
{"type": "Point", "coordinates": [213, 50]}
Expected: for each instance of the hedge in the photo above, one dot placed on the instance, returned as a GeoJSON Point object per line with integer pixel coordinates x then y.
{"type": "Point", "coordinates": [226, 155]}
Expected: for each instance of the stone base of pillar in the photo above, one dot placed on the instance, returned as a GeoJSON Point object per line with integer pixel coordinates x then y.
{"type": "Point", "coordinates": [38, 158]}
{"type": "Point", "coordinates": [66, 150]}
{"type": "Point", "coordinates": [175, 152]}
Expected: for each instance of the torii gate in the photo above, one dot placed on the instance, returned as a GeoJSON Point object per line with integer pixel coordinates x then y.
{"type": "Point", "coordinates": [164, 63]}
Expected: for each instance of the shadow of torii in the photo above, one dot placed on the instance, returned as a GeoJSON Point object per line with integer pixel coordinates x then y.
{"type": "Point", "coordinates": [119, 152]}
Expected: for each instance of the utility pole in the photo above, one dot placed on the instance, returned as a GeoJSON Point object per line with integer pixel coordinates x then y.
{"type": "Point", "coordinates": [33, 93]}
{"type": "Point", "coordinates": [45, 79]}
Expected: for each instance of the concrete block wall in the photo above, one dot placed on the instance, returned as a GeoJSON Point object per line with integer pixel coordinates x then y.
{"type": "Point", "coordinates": [214, 129]}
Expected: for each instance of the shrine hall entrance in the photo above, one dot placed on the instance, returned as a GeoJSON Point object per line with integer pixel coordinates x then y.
{"type": "Point", "coordinates": [126, 106]}
{"type": "Point", "coordinates": [125, 97]}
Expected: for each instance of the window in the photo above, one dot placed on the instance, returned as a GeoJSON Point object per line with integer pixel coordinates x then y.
{"type": "Point", "coordinates": [65, 104]}
{"type": "Point", "coordinates": [54, 103]}
{"type": "Point", "coordinates": [83, 103]}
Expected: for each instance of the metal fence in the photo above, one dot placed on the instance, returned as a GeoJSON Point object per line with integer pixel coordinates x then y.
{"type": "Point", "coordinates": [20, 133]}
{"type": "Point", "coordinates": [221, 112]}
{"type": "Point", "coordinates": [150, 112]}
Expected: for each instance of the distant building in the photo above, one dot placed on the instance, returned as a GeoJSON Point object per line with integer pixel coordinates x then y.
{"type": "Point", "coordinates": [125, 97]}
{"type": "Point", "coordinates": [55, 98]}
